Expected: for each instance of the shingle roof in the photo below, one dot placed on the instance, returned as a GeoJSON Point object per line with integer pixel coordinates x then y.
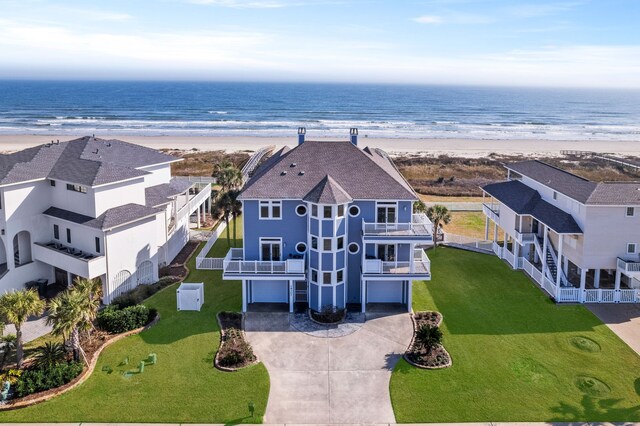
{"type": "Point", "coordinates": [328, 191]}
{"type": "Point", "coordinates": [361, 174]}
{"type": "Point", "coordinates": [524, 200]}
{"type": "Point", "coordinates": [86, 161]}
{"type": "Point", "coordinates": [161, 194]}
{"type": "Point", "coordinates": [111, 218]}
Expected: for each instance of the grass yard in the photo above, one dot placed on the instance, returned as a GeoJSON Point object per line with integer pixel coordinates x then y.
{"type": "Point", "coordinates": [470, 224]}
{"type": "Point", "coordinates": [517, 356]}
{"type": "Point", "coordinates": [183, 386]}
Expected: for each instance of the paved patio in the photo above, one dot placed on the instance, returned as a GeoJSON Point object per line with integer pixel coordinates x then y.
{"type": "Point", "coordinates": [329, 380]}
{"type": "Point", "coordinates": [32, 329]}
{"type": "Point", "coordinates": [623, 319]}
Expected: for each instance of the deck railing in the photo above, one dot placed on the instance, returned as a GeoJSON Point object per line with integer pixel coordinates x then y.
{"type": "Point", "coordinates": [493, 212]}
{"type": "Point", "coordinates": [629, 266]}
{"type": "Point", "coordinates": [234, 263]}
{"type": "Point", "coordinates": [525, 237]}
{"type": "Point", "coordinates": [420, 225]}
{"type": "Point", "coordinates": [194, 202]}
{"type": "Point", "coordinates": [421, 265]}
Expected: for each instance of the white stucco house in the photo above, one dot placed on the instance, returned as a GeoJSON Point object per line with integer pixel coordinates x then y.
{"type": "Point", "coordinates": [92, 208]}
{"type": "Point", "coordinates": [578, 239]}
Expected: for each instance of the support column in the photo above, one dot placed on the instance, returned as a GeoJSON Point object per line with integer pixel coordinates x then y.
{"type": "Point", "coordinates": [618, 277]}
{"type": "Point", "coordinates": [244, 295]}
{"type": "Point", "coordinates": [69, 279]}
{"type": "Point", "coordinates": [486, 228]}
{"type": "Point", "coordinates": [198, 216]}
{"type": "Point", "coordinates": [516, 253]}
{"type": "Point", "coordinates": [495, 232]}
{"type": "Point", "coordinates": [559, 263]}
{"type": "Point", "coordinates": [583, 284]}
{"type": "Point", "coordinates": [545, 234]}
{"type": "Point", "coordinates": [291, 295]}
{"type": "Point", "coordinates": [596, 278]}
{"type": "Point", "coordinates": [409, 295]}
{"type": "Point", "coordinates": [363, 295]}
{"type": "Point", "coordinates": [412, 247]}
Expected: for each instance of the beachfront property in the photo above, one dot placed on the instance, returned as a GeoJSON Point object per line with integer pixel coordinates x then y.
{"type": "Point", "coordinates": [92, 208]}
{"type": "Point", "coordinates": [328, 224]}
{"type": "Point", "coordinates": [578, 239]}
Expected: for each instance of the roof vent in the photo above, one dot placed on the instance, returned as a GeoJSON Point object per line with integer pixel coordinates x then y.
{"type": "Point", "coordinates": [301, 173]}
{"type": "Point", "coordinates": [284, 172]}
{"type": "Point", "coordinates": [293, 164]}
{"type": "Point", "coordinates": [96, 151]}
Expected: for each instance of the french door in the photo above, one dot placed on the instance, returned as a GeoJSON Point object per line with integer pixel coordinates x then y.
{"type": "Point", "coordinates": [387, 252]}
{"type": "Point", "coordinates": [386, 213]}
{"type": "Point", "coordinates": [270, 249]}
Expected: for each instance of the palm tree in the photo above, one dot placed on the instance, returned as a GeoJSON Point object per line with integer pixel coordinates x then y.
{"type": "Point", "coordinates": [439, 215]}
{"type": "Point", "coordinates": [230, 178]}
{"type": "Point", "coordinates": [419, 207]}
{"type": "Point", "coordinates": [8, 343]}
{"type": "Point", "coordinates": [428, 336]}
{"type": "Point", "coordinates": [236, 210]}
{"type": "Point", "coordinates": [48, 355]}
{"type": "Point", "coordinates": [71, 312]}
{"type": "Point", "coordinates": [224, 206]}
{"type": "Point", "coordinates": [220, 166]}
{"type": "Point", "coordinates": [16, 307]}
{"type": "Point", "coordinates": [91, 287]}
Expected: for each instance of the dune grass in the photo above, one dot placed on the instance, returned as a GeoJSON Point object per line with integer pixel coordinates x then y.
{"type": "Point", "coordinates": [182, 387]}
{"type": "Point", "coordinates": [517, 356]}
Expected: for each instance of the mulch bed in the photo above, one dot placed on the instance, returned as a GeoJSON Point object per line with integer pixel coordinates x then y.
{"type": "Point", "coordinates": [328, 317]}
{"type": "Point", "coordinates": [235, 352]}
{"type": "Point", "coordinates": [177, 268]}
{"type": "Point", "coordinates": [417, 355]}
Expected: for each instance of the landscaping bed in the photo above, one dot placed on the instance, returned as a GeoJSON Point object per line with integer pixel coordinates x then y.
{"type": "Point", "coordinates": [429, 356]}
{"type": "Point", "coordinates": [177, 268]}
{"type": "Point", "coordinates": [235, 352]}
{"type": "Point", "coordinates": [328, 315]}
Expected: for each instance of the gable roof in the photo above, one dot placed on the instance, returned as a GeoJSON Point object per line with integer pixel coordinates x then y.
{"type": "Point", "coordinates": [348, 173]}
{"type": "Point", "coordinates": [158, 195]}
{"type": "Point", "coordinates": [328, 191]}
{"type": "Point", "coordinates": [85, 161]}
{"type": "Point", "coordinates": [524, 200]}
{"type": "Point", "coordinates": [111, 218]}
{"type": "Point", "coordinates": [579, 188]}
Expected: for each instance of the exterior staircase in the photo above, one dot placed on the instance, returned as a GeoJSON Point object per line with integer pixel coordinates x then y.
{"type": "Point", "coordinates": [551, 258]}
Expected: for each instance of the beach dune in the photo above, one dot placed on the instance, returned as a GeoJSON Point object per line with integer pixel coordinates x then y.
{"type": "Point", "coordinates": [453, 147]}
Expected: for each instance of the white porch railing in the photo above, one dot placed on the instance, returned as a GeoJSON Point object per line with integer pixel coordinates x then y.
{"type": "Point", "coordinates": [509, 257]}
{"type": "Point", "coordinates": [568, 294]}
{"type": "Point", "coordinates": [215, 263]}
{"type": "Point", "coordinates": [420, 225]}
{"type": "Point", "coordinates": [194, 202]}
{"type": "Point", "coordinates": [421, 265]}
{"type": "Point", "coordinates": [525, 237]}
{"type": "Point", "coordinates": [497, 249]}
{"type": "Point", "coordinates": [629, 296]}
{"type": "Point", "coordinates": [493, 212]}
{"type": "Point", "coordinates": [629, 266]}
{"type": "Point", "coordinates": [234, 263]}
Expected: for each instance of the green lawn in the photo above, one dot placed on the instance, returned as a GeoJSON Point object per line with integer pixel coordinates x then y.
{"type": "Point", "coordinates": [183, 387]}
{"type": "Point", "coordinates": [513, 357]}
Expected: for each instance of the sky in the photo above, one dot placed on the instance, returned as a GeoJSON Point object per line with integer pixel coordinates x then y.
{"type": "Point", "coordinates": [582, 43]}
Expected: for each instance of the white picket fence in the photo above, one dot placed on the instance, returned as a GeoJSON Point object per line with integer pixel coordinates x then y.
{"type": "Point", "coordinates": [215, 263]}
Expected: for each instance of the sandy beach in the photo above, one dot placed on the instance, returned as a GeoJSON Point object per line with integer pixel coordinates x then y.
{"type": "Point", "coordinates": [469, 148]}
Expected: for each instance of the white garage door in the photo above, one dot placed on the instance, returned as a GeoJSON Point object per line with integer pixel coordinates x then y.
{"type": "Point", "coordinates": [270, 291]}
{"type": "Point", "coordinates": [384, 291]}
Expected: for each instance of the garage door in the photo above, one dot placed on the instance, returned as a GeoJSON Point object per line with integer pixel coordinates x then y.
{"type": "Point", "coordinates": [384, 291]}
{"type": "Point", "coordinates": [270, 292]}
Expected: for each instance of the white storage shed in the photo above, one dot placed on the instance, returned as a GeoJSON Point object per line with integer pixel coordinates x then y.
{"type": "Point", "coordinates": [190, 296]}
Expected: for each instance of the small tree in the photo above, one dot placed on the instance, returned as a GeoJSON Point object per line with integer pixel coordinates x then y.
{"type": "Point", "coordinates": [428, 337]}
{"type": "Point", "coordinates": [230, 178]}
{"type": "Point", "coordinates": [235, 210]}
{"type": "Point", "coordinates": [439, 215]}
{"type": "Point", "coordinates": [49, 355]}
{"type": "Point", "coordinates": [16, 307]}
{"type": "Point", "coordinates": [225, 206]}
{"type": "Point", "coordinates": [419, 207]}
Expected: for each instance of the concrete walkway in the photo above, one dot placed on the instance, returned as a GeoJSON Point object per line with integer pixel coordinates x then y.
{"type": "Point", "coordinates": [329, 380]}
{"type": "Point", "coordinates": [32, 329]}
{"type": "Point", "coordinates": [623, 319]}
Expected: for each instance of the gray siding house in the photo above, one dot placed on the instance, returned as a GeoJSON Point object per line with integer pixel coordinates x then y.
{"type": "Point", "coordinates": [578, 239]}
{"type": "Point", "coordinates": [328, 224]}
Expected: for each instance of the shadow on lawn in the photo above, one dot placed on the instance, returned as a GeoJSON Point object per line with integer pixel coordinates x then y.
{"type": "Point", "coordinates": [594, 409]}
{"type": "Point", "coordinates": [480, 294]}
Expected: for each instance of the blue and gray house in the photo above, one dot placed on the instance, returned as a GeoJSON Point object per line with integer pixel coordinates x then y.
{"type": "Point", "coordinates": [328, 224]}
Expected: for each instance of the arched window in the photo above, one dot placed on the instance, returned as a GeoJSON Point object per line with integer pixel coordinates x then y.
{"type": "Point", "coordinates": [145, 272]}
{"type": "Point", "coordinates": [121, 283]}
{"type": "Point", "coordinates": [22, 248]}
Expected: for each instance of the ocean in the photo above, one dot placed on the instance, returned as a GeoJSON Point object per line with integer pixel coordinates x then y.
{"type": "Point", "coordinates": [326, 110]}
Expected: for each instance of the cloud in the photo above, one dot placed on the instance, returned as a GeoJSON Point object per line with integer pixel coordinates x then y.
{"type": "Point", "coordinates": [429, 19]}
{"type": "Point", "coordinates": [240, 4]}
{"type": "Point", "coordinates": [536, 10]}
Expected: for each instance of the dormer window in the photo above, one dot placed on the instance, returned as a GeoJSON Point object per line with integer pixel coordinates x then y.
{"type": "Point", "coordinates": [77, 188]}
{"type": "Point", "coordinates": [631, 211]}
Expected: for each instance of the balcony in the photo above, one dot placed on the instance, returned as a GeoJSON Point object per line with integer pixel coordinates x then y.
{"type": "Point", "coordinates": [235, 266]}
{"type": "Point", "coordinates": [420, 226]}
{"type": "Point", "coordinates": [492, 212]}
{"type": "Point", "coordinates": [525, 237]}
{"type": "Point", "coordinates": [72, 260]}
{"type": "Point", "coordinates": [194, 202]}
{"type": "Point", "coordinates": [629, 266]}
{"type": "Point", "coordinates": [420, 267]}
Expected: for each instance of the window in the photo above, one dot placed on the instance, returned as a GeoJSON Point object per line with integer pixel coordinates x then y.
{"type": "Point", "coordinates": [270, 209]}
{"type": "Point", "coordinates": [631, 248]}
{"type": "Point", "coordinates": [327, 212]}
{"type": "Point", "coordinates": [314, 276]}
{"type": "Point", "coordinates": [326, 277]}
{"type": "Point", "coordinates": [301, 210]}
{"type": "Point", "coordinates": [69, 235]}
{"type": "Point", "coordinates": [386, 213]}
{"type": "Point", "coordinates": [341, 210]}
{"type": "Point", "coordinates": [354, 211]}
{"type": "Point", "coordinates": [326, 244]}
{"type": "Point", "coordinates": [301, 247]}
{"type": "Point", "coordinates": [340, 243]}
{"type": "Point", "coordinates": [631, 211]}
{"type": "Point", "coordinates": [97, 245]}
{"type": "Point", "coordinates": [340, 275]}
{"type": "Point", "coordinates": [56, 232]}
{"type": "Point", "coordinates": [52, 182]}
{"type": "Point", "coordinates": [555, 195]}
{"type": "Point", "coordinates": [354, 248]}
{"type": "Point", "coordinates": [314, 210]}
{"type": "Point", "coordinates": [314, 243]}
{"type": "Point", "coordinates": [77, 188]}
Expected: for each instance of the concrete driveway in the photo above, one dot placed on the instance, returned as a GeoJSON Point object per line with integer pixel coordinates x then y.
{"type": "Point", "coordinates": [329, 380]}
{"type": "Point", "coordinates": [623, 319]}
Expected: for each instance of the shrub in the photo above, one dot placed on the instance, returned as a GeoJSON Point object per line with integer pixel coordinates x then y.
{"type": "Point", "coordinates": [49, 355]}
{"type": "Point", "coordinates": [428, 337]}
{"type": "Point", "coordinates": [142, 292]}
{"type": "Point", "coordinates": [235, 350]}
{"type": "Point", "coordinates": [329, 314]}
{"type": "Point", "coordinates": [41, 379]}
{"type": "Point", "coordinates": [116, 320]}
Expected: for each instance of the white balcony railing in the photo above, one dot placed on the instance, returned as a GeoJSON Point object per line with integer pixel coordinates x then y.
{"type": "Point", "coordinates": [492, 211]}
{"type": "Point", "coordinates": [194, 202]}
{"type": "Point", "coordinates": [234, 264]}
{"type": "Point", "coordinates": [629, 266]}
{"type": "Point", "coordinates": [525, 237]}
{"type": "Point", "coordinates": [421, 265]}
{"type": "Point", "coordinates": [420, 225]}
